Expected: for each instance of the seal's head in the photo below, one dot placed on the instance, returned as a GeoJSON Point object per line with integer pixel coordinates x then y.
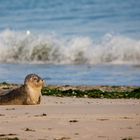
{"type": "Point", "coordinates": [34, 81]}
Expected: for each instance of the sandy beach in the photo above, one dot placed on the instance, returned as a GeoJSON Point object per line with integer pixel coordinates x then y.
{"type": "Point", "coordinates": [58, 118]}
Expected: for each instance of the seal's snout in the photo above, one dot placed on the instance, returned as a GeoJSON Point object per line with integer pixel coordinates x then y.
{"type": "Point", "coordinates": [44, 83]}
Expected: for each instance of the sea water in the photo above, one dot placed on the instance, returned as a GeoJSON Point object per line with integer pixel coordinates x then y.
{"type": "Point", "coordinates": [71, 42]}
{"type": "Point", "coordinates": [114, 75]}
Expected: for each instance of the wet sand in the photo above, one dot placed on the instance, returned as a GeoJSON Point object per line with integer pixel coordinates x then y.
{"type": "Point", "coordinates": [58, 118]}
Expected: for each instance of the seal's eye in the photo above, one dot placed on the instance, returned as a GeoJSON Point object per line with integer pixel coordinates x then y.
{"type": "Point", "coordinates": [38, 80]}
{"type": "Point", "coordinates": [35, 78]}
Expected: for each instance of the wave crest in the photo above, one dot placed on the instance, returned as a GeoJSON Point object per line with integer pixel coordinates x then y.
{"type": "Point", "coordinates": [26, 47]}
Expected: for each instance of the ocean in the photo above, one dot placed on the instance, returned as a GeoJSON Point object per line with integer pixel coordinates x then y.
{"type": "Point", "coordinates": [76, 42]}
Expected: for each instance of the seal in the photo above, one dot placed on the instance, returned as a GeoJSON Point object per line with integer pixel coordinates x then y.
{"type": "Point", "coordinates": [27, 94]}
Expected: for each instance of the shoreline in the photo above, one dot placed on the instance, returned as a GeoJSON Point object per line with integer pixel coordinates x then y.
{"type": "Point", "coordinates": [111, 92]}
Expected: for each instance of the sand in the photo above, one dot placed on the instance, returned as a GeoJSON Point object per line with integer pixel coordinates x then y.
{"type": "Point", "coordinates": [58, 118]}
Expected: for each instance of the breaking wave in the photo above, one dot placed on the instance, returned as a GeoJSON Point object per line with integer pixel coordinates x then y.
{"type": "Point", "coordinates": [27, 47]}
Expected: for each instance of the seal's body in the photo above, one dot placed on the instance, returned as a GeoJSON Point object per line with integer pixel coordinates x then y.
{"type": "Point", "coordinates": [27, 94]}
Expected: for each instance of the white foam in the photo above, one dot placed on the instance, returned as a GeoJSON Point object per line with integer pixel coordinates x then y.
{"type": "Point", "coordinates": [28, 32]}
{"type": "Point", "coordinates": [26, 47]}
